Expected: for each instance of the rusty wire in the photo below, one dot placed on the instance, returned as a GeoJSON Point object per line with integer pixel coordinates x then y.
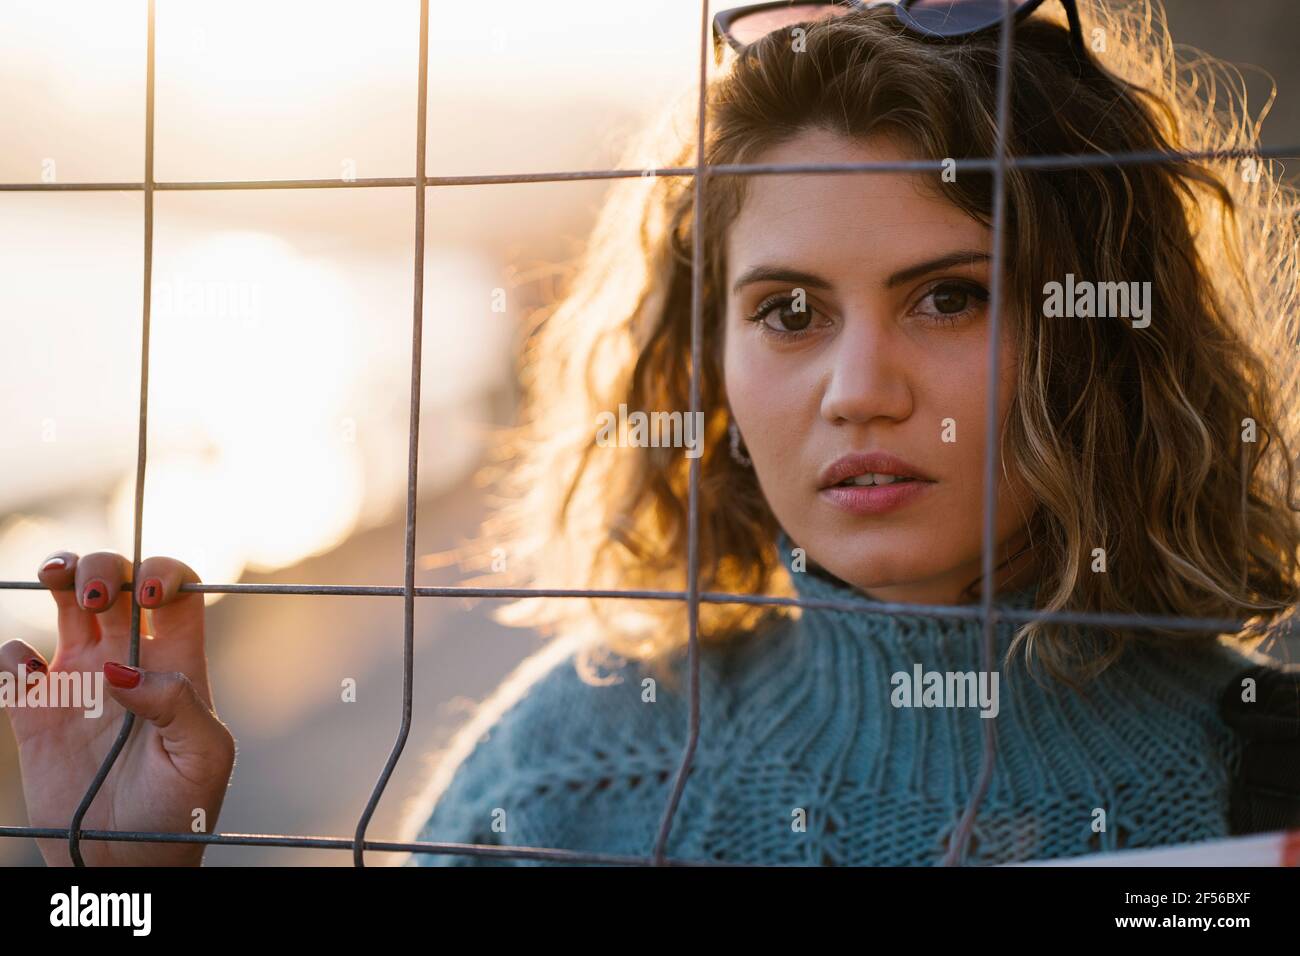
{"type": "Point", "coordinates": [987, 611]}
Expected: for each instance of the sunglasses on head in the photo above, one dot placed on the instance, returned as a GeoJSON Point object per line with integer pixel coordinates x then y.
{"type": "Point", "coordinates": [935, 19]}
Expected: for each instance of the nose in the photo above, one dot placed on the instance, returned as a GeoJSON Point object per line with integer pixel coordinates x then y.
{"type": "Point", "coordinates": [866, 377]}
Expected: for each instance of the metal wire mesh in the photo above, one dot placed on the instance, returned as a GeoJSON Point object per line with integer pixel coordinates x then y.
{"type": "Point", "coordinates": [987, 611]}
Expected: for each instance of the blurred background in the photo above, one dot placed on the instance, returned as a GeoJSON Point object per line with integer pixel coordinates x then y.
{"type": "Point", "coordinates": [280, 351]}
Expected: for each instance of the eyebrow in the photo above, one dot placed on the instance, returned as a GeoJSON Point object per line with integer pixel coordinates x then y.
{"type": "Point", "coordinates": [772, 273]}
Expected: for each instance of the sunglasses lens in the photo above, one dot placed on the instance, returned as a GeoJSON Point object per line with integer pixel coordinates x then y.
{"type": "Point", "coordinates": [749, 27]}
{"type": "Point", "coordinates": [951, 18]}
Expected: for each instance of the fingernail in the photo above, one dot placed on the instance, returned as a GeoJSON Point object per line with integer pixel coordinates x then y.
{"type": "Point", "coordinates": [95, 595]}
{"type": "Point", "coordinates": [53, 564]}
{"type": "Point", "coordinates": [121, 675]}
{"type": "Point", "coordinates": [35, 666]}
{"type": "Point", "coordinates": [151, 592]}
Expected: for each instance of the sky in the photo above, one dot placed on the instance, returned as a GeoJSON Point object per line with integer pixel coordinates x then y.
{"type": "Point", "coordinates": [281, 325]}
{"type": "Point", "coordinates": [281, 320]}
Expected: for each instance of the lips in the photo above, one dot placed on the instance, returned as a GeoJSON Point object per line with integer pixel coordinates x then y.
{"type": "Point", "coordinates": [870, 469]}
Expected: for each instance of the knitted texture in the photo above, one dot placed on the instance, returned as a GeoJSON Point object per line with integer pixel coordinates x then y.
{"type": "Point", "coordinates": [803, 756]}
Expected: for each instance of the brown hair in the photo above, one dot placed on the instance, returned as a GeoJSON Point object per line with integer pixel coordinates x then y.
{"type": "Point", "coordinates": [1130, 439]}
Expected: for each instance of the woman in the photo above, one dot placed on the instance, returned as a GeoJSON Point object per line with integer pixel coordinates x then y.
{"type": "Point", "coordinates": [1144, 467]}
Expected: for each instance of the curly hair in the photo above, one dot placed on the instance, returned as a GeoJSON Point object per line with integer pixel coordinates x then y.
{"type": "Point", "coordinates": [1168, 446]}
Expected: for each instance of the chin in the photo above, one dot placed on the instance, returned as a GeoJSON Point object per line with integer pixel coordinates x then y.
{"type": "Point", "coordinates": [878, 571]}
{"type": "Point", "coordinates": [882, 555]}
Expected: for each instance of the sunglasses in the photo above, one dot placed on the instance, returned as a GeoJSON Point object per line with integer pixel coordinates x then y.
{"type": "Point", "coordinates": [934, 19]}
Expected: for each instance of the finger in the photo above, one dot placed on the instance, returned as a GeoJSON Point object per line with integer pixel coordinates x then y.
{"type": "Point", "coordinates": [19, 661]}
{"type": "Point", "coordinates": [99, 577]}
{"type": "Point", "coordinates": [198, 743]}
{"type": "Point", "coordinates": [177, 620]}
{"type": "Point", "coordinates": [78, 629]}
{"type": "Point", "coordinates": [19, 657]}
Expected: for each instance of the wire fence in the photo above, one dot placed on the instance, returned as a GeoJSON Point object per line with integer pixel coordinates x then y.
{"type": "Point", "coordinates": [987, 611]}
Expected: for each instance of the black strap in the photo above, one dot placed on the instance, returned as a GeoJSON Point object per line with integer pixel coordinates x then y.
{"type": "Point", "coordinates": [1266, 792]}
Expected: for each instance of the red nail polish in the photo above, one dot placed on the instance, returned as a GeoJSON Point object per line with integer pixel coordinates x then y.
{"type": "Point", "coordinates": [95, 595]}
{"type": "Point", "coordinates": [151, 592]}
{"type": "Point", "coordinates": [35, 664]}
{"type": "Point", "coordinates": [121, 675]}
{"type": "Point", "coordinates": [54, 564]}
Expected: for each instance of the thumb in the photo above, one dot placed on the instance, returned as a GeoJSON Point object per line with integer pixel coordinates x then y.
{"type": "Point", "coordinates": [20, 663]}
{"type": "Point", "coordinates": [193, 737]}
{"type": "Point", "coordinates": [20, 658]}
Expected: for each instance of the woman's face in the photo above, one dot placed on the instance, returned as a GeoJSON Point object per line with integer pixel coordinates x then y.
{"type": "Point", "coordinates": [884, 353]}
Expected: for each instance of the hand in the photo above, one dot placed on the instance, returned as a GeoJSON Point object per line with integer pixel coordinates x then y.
{"type": "Point", "coordinates": [179, 756]}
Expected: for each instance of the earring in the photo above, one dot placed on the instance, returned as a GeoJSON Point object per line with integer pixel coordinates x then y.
{"type": "Point", "coordinates": [740, 457]}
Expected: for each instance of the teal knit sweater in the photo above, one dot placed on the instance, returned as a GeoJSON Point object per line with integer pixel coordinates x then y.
{"type": "Point", "coordinates": [807, 754]}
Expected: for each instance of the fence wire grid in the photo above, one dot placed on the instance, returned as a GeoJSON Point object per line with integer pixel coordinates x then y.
{"type": "Point", "coordinates": [987, 611]}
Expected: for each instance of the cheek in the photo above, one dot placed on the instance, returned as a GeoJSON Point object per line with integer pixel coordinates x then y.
{"type": "Point", "coordinates": [957, 390]}
{"type": "Point", "coordinates": [769, 407]}
{"type": "Point", "coordinates": [744, 372]}
{"type": "Point", "coordinates": [1013, 497]}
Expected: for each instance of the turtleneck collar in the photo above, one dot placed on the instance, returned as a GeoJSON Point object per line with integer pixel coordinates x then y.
{"type": "Point", "coordinates": [891, 637]}
{"type": "Point", "coordinates": [840, 700]}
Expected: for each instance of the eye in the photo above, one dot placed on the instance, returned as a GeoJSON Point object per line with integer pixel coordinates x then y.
{"type": "Point", "coordinates": [782, 306]}
{"type": "Point", "coordinates": [952, 299]}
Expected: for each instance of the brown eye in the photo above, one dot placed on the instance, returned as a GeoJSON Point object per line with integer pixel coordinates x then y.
{"type": "Point", "coordinates": [951, 299]}
{"type": "Point", "coordinates": [790, 319]}
{"type": "Point", "coordinates": [951, 302]}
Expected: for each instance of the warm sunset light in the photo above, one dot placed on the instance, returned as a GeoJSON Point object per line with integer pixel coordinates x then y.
{"type": "Point", "coordinates": [638, 435]}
